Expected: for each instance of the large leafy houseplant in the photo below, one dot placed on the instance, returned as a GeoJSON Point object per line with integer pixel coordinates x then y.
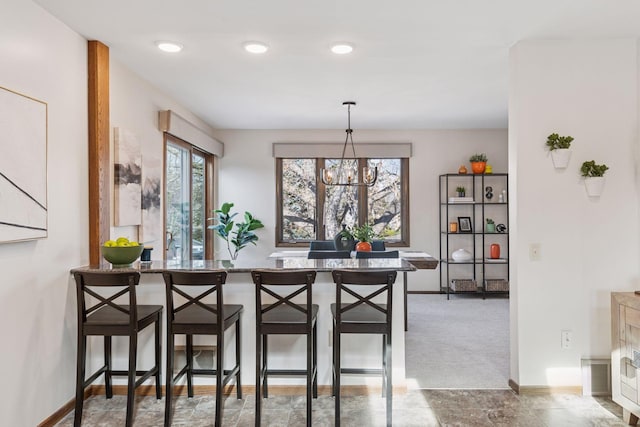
{"type": "Point", "coordinates": [243, 233]}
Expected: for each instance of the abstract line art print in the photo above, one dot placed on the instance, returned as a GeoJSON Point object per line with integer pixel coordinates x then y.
{"type": "Point", "coordinates": [23, 167]}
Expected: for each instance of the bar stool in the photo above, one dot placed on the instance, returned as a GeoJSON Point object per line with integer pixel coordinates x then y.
{"type": "Point", "coordinates": [195, 317]}
{"type": "Point", "coordinates": [108, 319]}
{"type": "Point", "coordinates": [285, 317]}
{"type": "Point", "coordinates": [363, 316]}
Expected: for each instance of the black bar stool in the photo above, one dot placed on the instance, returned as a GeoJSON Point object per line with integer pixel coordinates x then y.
{"type": "Point", "coordinates": [108, 319]}
{"type": "Point", "coordinates": [285, 317]}
{"type": "Point", "coordinates": [195, 317]}
{"type": "Point", "coordinates": [361, 315]}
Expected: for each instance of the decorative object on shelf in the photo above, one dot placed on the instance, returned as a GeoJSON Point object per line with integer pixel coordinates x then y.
{"type": "Point", "coordinates": [344, 240]}
{"type": "Point", "coordinates": [500, 198]}
{"type": "Point", "coordinates": [494, 250]}
{"type": "Point", "coordinates": [460, 191]}
{"type": "Point", "coordinates": [496, 285]}
{"type": "Point", "coordinates": [121, 252]}
{"type": "Point", "coordinates": [491, 226]}
{"type": "Point", "coordinates": [348, 176]}
{"type": "Point", "coordinates": [559, 149]}
{"type": "Point", "coordinates": [488, 192]}
{"type": "Point", "coordinates": [478, 162]}
{"type": "Point", "coordinates": [453, 227]}
{"type": "Point", "coordinates": [462, 170]}
{"type": "Point", "coordinates": [464, 285]}
{"type": "Point", "coordinates": [464, 224]}
{"type": "Point", "coordinates": [488, 168]}
{"type": "Point", "coordinates": [365, 235]}
{"type": "Point", "coordinates": [593, 177]}
{"type": "Point", "coordinates": [501, 228]}
{"type": "Point", "coordinates": [244, 233]}
{"type": "Point", "coordinates": [461, 255]}
{"type": "Point", "coordinates": [504, 196]}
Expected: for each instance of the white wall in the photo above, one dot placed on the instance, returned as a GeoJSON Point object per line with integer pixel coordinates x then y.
{"type": "Point", "coordinates": [247, 177]}
{"type": "Point", "coordinates": [589, 247]}
{"type": "Point", "coordinates": [44, 59]}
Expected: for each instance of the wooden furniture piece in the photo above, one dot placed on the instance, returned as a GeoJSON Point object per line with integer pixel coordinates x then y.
{"type": "Point", "coordinates": [283, 316]}
{"type": "Point", "coordinates": [378, 254]}
{"type": "Point", "coordinates": [108, 319]}
{"type": "Point", "coordinates": [362, 315]}
{"type": "Point", "coordinates": [625, 353]}
{"type": "Point", "coordinates": [192, 317]}
{"type": "Point", "coordinates": [328, 254]}
{"type": "Point", "coordinates": [486, 198]}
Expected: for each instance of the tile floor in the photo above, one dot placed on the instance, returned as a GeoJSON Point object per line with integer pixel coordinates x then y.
{"type": "Point", "coordinates": [415, 408]}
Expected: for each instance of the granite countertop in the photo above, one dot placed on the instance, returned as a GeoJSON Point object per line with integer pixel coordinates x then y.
{"type": "Point", "coordinates": [242, 266]}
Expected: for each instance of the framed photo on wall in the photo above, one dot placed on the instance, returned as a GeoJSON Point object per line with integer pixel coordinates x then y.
{"type": "Point", "coordinates": [464, 224]}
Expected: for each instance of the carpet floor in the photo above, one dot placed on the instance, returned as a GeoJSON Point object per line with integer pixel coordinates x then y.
{"type": "Point", "coordinates": [461, 343]}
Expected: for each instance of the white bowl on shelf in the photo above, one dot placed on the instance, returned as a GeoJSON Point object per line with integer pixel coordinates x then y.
{"type": "Point", "coordinates": [461, 255]}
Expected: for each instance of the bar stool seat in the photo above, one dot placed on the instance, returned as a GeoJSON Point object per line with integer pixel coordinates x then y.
{"type": "Point", "coordinates": [284, 316]}
{"type": "Point", "coordinates": [197, 318]}
{"type": "Point", "coordinates": [108, 318]}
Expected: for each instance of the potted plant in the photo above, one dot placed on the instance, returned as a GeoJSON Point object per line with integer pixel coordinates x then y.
{"type": "Point", "coordinates": [460, 191]}
{"type": "Point", "coordinates": [478, 162]}
{"type": "Point", "coordinates": [559, 148]}
{"type": "Point", "coordinates": [593, 177]}
{"type": "Point", "coordinates": [243, 234]}
{"type": "Point", "coordinates": [491, 226]}
{"type": "Point", "coordinates": [365, 235]}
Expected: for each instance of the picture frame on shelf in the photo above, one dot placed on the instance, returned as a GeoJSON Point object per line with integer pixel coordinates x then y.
{"type": "Point", "coordinates": [464, 224]}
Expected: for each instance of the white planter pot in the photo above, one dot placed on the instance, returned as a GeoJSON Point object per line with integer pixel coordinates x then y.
{"type": "Point", "coordinates": [594, 185]}
{"type": "Point", "coordinates": [560, 157]}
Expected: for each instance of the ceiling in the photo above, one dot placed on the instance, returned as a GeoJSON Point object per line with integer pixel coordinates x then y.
{"type": "Point", "coordinates": [417, 64]}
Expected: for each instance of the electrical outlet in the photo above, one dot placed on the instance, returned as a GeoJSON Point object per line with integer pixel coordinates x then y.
{"type": "Point", "coordinates": [534, 252]}
{"type": "Point", "coordinates": [566, 339]}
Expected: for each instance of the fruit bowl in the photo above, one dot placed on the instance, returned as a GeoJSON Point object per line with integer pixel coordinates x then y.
{"type": "Point", "coordinates": [121, 256]}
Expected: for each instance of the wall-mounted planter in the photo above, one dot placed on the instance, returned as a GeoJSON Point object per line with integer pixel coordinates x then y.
{"type": "Point", "coordinates": [594, 185]}
{"type": "Point", "coordinates": [560, 157]}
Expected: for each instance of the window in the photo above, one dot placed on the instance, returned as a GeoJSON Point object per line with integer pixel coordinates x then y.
{"type": "Point", "coordinates": [309, 210]}
{"type": "Point", "coordinates": [188, 198]}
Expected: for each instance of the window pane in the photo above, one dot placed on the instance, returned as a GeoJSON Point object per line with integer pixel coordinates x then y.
{"type": "Point", "coordinates": [177, 204]}
{"type": "Point", "coordinates": [341, 202]}
{"type": "Point", "coordinates": [384, 199]}
{"type": "Point", "coordinates": [298, 199]}
{"type": "Point", "coordinates": [198, 204]}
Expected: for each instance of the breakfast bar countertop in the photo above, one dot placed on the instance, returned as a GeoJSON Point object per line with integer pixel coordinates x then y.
{"type": "Point", "coordinates": [245, 266]}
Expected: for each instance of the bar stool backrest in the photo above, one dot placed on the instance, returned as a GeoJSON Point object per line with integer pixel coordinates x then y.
{"type": "Point", "coordinates": [322, 245]}
{"type": "Point", "coordinates": [351, 282]}
{"type": "Point", "coordinates": [376, 254]}
{"type": "Point", "coordinates": [185, 284]}
{"type": "Point", "coordinates": [125, 282]}
{"type": "Point", "coordinates": [378, 245]}
{"type": "Point", "coordinates": [329, 254]}
{"type": "Point", "coordinates": [267, 280]}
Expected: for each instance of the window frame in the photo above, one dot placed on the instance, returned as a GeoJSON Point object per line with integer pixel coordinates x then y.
{"type": "Point", "coordinates": [209, 165]}
{"type": "Point", "coordinates": [363, 205]}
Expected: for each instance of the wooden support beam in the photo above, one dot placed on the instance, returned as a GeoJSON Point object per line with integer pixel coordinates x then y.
{"type": "Point", "coordinates": [99, 184]}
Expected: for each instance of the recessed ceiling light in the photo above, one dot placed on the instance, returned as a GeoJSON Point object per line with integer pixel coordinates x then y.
{"type": "Point", "coordinates": [342, 48]}
{"type": "Point", "coordinates": [255, 47]}
{"type": "Point", "coordinates": [170, 47]}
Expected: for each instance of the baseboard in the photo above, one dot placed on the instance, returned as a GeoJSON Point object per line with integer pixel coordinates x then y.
{"type": "Point", "coordinates": [198, 390]}
{"type": "Point", "coordinates": [544, 389]}
{"type": "Point", "coordinates": [425, 292]}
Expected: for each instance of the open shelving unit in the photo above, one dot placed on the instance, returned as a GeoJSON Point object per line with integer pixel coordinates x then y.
{"type": "Point", "coordinates": [482, 274]}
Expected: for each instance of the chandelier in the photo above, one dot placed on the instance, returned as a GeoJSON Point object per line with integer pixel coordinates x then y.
{"type": "Point", "coordinates": [348, 176]}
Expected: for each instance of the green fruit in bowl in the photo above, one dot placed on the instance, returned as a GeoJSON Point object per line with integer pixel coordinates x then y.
{"type": "Point", "coordinates": [110, 243]}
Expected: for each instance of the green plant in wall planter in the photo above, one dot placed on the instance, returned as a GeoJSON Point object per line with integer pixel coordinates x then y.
{"type": "Point", "coordinates": [593, 177]}
{"type": "Point", "coordinates": [243, 233]}
{"type": "Point", "coordinates": [559, 148]}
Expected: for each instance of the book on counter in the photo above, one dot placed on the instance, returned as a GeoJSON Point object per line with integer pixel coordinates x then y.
{"type": "Point", "coordinates": [460, 199]}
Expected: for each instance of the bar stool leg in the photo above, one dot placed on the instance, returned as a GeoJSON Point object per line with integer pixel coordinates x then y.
{"type": "Point", "coordinates": [309, 377]}
{"type": "Point", "coordinates": [169, 374]}
{"type": "Point", "coordinates": [189, 355]}
{"type": "Point", "coordinates": [238, 353]}
{"type": "Point", "coordinates": [109, 366]}
{"type": "Point", "coordinates": [336, 346]}
{"type": "Point", "coordinates": [265, 367]}
{"type": "Point", "coordinates": [80, 372]}
{"type": "Point", "coordinates": [315, 360]}
{"type": "Point", "coordinates": [131, 377]}
{"type": "Point", "coordinates": [158, 355]}
{"type": "Point", "coordinates": [219, 376]}
{"type": "Point", "coordinates": [258, 377]}
{"type": "Point", "coordinates": [389, 381]}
